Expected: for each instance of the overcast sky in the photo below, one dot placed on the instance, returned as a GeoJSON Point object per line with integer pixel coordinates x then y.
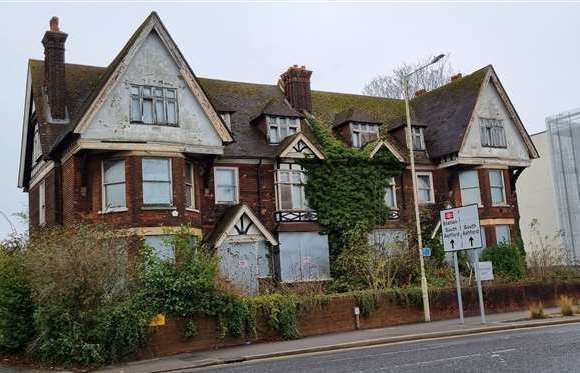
{"type": "Point", "coordinates": [534, 48]}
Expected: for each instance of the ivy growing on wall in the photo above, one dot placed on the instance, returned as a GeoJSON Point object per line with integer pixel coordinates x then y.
{"type": "Point", "coordinates": [347, 189]}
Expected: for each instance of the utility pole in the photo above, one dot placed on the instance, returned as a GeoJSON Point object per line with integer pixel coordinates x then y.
{"type": "Point", "coordinates": [424, 289]}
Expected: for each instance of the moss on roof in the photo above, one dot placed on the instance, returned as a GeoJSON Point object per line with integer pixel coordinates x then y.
{"type": "Point", "coordinates": [326, 105]}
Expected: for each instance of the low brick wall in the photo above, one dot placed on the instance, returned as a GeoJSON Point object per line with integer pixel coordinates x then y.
{"type": "Point", "coordinates": [337, 316]}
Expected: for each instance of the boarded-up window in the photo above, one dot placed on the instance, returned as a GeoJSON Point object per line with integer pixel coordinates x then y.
{"type": "Point", "coordinates": [303, 256]}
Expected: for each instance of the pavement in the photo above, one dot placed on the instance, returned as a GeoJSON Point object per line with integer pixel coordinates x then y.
{"type": "Point", "coordinates": [341, 341]}
{"type": "Point", "coordinates": [541, 349]}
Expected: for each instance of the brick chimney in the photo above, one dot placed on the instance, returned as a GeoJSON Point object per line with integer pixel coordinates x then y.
{"type": "Point", "coordinates": [456, 76]}
{"type": "Point", "coordinates": [296, 85]}
{"type": "Point", "coordinates": [54, 80]}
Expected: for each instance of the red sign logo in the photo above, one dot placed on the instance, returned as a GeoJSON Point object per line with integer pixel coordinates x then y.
{"type": "Point", "coordinates": [449, 215]}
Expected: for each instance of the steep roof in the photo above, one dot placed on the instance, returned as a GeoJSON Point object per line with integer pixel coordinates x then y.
{"type": "Point", "coordinates": [80, 81]}
{"type": "Point", "coordinates": [353, 115]}
{"type": "Point", "coordinates": [446, 112]}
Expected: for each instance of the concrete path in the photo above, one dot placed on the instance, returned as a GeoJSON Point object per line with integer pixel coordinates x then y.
{"type": "Point", "coordinates": [336, 341]}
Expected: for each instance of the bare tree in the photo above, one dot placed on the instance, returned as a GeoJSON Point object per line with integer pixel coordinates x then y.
{"type": "Point", "coordinates": [391, 85]}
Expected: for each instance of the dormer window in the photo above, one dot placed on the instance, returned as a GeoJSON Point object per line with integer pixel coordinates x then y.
{"type": "Point", "coordinates": [153, 105]}
{"type": "Point", "coordinates": [362, 133]}
{"type": "Point", "coordinates": [418, 138]}
{"type": "Point", "coordinates": [281, 127]}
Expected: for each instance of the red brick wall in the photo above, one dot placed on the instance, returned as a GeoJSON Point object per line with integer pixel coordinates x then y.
{"type": "Point", "coordinates": [262, 201]}
{"type": "Point", "coordinates": [90, 203]}
{"type": "Point", "coordinates": [337, 316]}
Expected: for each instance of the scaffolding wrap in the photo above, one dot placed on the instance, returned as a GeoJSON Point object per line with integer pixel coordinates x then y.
{"type": "Point", "coordinates": [564, 134]}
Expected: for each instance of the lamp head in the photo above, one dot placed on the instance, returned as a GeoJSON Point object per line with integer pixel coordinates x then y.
{"type": "Point", "coordinates": [438, 58]}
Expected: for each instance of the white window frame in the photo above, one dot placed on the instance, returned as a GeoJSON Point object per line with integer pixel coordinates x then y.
{"type": "Point", "coordinates": [190, 185]}
{"type": "Point", "coordinates": [462, 188]}
{"type": "Point", "coordinates": [492, 132]}
{"type": "Point", "coordinates": [154, 100]}
{"type": "Point", "coordinates": [236, 182]}
{"type": "Point", "coordinates": [293, 168]}
{"type": "Point", "coordinates": [491, 187]}
{"type": "Point", "coordinates": [357, 129]}
{"type": "Point", "coordinates": [431, 190]}
{"type": "Point", "coordinates": [104, 207]}
{"type": "Point", "coordinates": [36, 147]}
{"type": "Point", "coordinates": [509, 234]}
{"type": "Point", "coordinates": [275, 123]}
{"type": "Point", "coordinates": [226, 118]}
{"type": "Point", "coordinates": [143, 181]}
{"type": "Point", "coordinates": [42, 203]}
{"type": "Point", "coordinates": [417, 132]}
{"type": "Point", "coordinates": [393, 187]}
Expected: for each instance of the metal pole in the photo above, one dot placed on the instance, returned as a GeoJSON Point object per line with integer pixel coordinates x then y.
{"type": "Point", "coordinates": [479, 291]}
{"type": "Point", "coordinates": [458, 286]}
{"type": "Point", "coordinates": [424, 290]}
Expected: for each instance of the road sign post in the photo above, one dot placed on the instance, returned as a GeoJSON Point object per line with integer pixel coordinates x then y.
{"type": "Point", "coordinates": [460, 230]}
{"type": "Point", "coordinates": [458, 285]}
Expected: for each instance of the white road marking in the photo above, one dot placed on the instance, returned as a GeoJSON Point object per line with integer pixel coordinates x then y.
{"type": "Point", "coordinates": [502, 351]}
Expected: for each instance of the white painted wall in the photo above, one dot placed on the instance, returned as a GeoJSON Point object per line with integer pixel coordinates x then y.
{"type": "Point", "coordinates": [537, 195]}
{"type": "Point", "coordinates": [152, 65]}
{"type": "Point", "coordinates": [490, 105]}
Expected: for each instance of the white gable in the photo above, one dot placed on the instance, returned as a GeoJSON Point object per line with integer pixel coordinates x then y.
{"type": "Point", "coordinates": [301, 147]}
{"type": "Point", "coordinates": [490, 105]}
{"type": "Point", "coordinates": [152, 64]}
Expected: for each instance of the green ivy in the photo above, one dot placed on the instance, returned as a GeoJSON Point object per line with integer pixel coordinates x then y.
{"type": "Point", "coordinates": [347, 189]}
{"type": "Point", "coordinates": [282, 313]}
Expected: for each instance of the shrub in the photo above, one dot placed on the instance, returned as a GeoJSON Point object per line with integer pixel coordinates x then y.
{"type": "Point", "coordinates": [507, 261]}
{"type": "Point", "coordinates": [87, 313]}
{"type": "Point", "coordinates": [16, 307]}
{"type": "Point", "coordinates": [282, 313]}
{"type": "Point", "coordinates": [537, 311]}
{"type": "Point", "coordinates": [566, 306]}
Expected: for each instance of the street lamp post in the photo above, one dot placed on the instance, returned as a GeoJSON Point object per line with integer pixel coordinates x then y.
{"type": "Point", "coordinates": [424, 290]}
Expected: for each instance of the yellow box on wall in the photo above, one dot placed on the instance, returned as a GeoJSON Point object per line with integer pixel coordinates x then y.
{"type": "Point", "coordinates": [157, 320]}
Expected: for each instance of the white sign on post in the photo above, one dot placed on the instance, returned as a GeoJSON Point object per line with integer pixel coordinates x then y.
{"type": "Point", "coordinates": [485, 271]}
{"type": "Point", "coordinates": [460, 228]}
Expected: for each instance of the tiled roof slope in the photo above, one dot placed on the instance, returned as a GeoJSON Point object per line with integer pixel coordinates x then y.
{"type": "Point", "coordinates": [446, 111]}
{"type": "Point", "coordinates": [81, 81]}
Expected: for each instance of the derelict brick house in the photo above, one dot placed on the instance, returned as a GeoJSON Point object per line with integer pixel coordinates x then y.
{"type": "Point", "coordinates": [147, 146]}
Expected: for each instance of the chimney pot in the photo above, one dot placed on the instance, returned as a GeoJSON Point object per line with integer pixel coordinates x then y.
{"type": "Point", "coordinates": [456, 76]}
{"type": "Point", "coordinates": [54, 24]}
{"type": "Point", "coordinates": [420, 92]}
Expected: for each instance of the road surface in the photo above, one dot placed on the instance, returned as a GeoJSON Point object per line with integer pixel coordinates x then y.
{"type": "Point", "coordinates": [546, 349]}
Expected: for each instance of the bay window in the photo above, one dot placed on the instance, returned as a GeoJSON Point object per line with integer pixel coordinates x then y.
{"type": "Point", "coordinates": [156, 181]}
{"type": "Point", "coordinates": [226, 185]}
{"type": "Point", "coordinates": [113, 186]}
{"type": "Point", "coordinates": [290, 180]}
{"type": "Point", "coordinates": [496, 186]}
{"type": "Point", "coordinates": [469, 184]}
{"type": "Point", "coordinates": [189, 186]}
{"type": "Point", "coordinates": [425, 187]}
{"type": "Point", "coordinates": [281, 127]}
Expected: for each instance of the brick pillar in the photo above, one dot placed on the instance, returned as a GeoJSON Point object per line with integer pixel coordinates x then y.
{"type": "Point", "coordinates": [54, 74]}
{"type": "Point", "coordinates": [296, 85]}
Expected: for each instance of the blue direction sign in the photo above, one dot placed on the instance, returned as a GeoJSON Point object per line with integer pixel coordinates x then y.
{"type": "Point", "coordinates": [426, 251]}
